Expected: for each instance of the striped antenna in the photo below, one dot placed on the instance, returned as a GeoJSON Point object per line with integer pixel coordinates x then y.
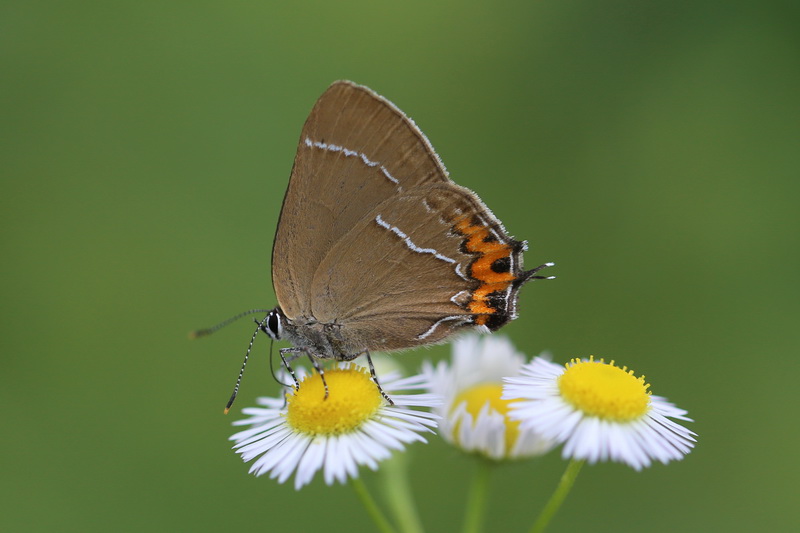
{"type": "Point", "coordinates": [208, 331]}
{"type": "Point", "coordinates": [260, 326]}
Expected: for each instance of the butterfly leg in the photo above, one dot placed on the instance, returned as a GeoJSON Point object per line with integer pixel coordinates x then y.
{"type": "Point", "coordinates": [293, 353]}
{"type": "Point", "coordinates": [290, 354]}
{"type": "Point", "coordinates": [371, 372]}
{"type": "Point", "coordinates": [320, 371]}
{"type": "Point", "coordinates": [375, 379]}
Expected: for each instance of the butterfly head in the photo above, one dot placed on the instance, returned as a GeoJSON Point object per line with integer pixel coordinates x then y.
{"type": "Point", "coordinates": [273, 325]}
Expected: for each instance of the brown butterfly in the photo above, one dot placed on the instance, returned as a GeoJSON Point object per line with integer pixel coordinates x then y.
{"type": "Point", "coordinates": [377, 249]}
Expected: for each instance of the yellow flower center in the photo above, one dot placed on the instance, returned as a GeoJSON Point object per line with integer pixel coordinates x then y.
{"type": "Point", "coordinates": [604, 390]}
{"type": "Point", "coordinates": [477, 397]}
{"type": "Point", "coordinates": [352, 400]}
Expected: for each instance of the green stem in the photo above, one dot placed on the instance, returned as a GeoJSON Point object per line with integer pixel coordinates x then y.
{"type": "Point", "coordinates": [371, 506]}
{"type": "Point", "coordinates": [564, 486]}
{"type": "Point", "coordinates": [476, 500]}
{"type": "Point", "coordinates": [398, 493]}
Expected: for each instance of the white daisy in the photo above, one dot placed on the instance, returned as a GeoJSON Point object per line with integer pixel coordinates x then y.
{"type": "Point", "coordinates": [473, 416]}
{"type": "Point", "coordinates": [353, 426]}
{"type": "Point", "coordinates": [599, 411]}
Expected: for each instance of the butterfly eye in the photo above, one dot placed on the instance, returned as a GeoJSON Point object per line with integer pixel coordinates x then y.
{"type": "Point", "coordinates": [274, 327]}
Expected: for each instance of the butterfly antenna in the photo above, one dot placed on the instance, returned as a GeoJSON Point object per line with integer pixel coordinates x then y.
{"type": "Point", "coordinates": [262, 327]}
{"type": "Point", "coordinates": [244, 364]}
{"type": "Point", "coordinates": [208, 331]}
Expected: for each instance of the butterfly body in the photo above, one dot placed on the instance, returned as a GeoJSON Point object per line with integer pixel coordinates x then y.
{"type": "Point", "coordinates": [377, 249]}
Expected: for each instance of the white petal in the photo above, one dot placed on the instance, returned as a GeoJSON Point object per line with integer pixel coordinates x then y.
{"type": "Point", "coordinates": [310, 463]}
{"type": "Point", "coordinates": [540, 408]}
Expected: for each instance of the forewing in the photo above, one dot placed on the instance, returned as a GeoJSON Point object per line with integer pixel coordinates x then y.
{"type": "Point", "coordinates": [356, 151]}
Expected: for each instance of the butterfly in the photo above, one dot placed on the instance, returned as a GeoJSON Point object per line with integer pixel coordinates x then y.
{"type": "Point", "coordinates": [376, 248]}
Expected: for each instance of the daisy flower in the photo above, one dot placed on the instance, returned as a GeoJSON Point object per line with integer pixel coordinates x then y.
{"type": "Point", "coordinates": [473, 415]}
{"type": "Point", "coordinates": [599, 411]}
{"type": "Point", "coordinates": [306, 432]}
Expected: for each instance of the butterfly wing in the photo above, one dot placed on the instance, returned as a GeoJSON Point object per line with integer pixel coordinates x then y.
{"type": "Point", "coordinates": [419, 267]}
{"type": "Point", "coordinates": [356, 150]}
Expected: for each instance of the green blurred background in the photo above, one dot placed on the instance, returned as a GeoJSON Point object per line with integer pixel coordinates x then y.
{"type": "Point", "coordinates": [651, 149]}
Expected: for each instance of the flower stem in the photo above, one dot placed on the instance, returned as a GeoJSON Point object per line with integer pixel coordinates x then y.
{"type": "Point", "coordinates": [564, 486]}
{"type": "Point", "coordinates": [476, 500]}
{"type": "Point", "coordinates": [371, 506]}
{"type": "Point", "coordinates": [398, 493]}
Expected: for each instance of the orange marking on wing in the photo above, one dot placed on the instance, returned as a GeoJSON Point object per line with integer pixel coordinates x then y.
{"type": "Point", "coordinates": [481, 268]}
{"type": "Point", "coordinates": [479, 305]}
